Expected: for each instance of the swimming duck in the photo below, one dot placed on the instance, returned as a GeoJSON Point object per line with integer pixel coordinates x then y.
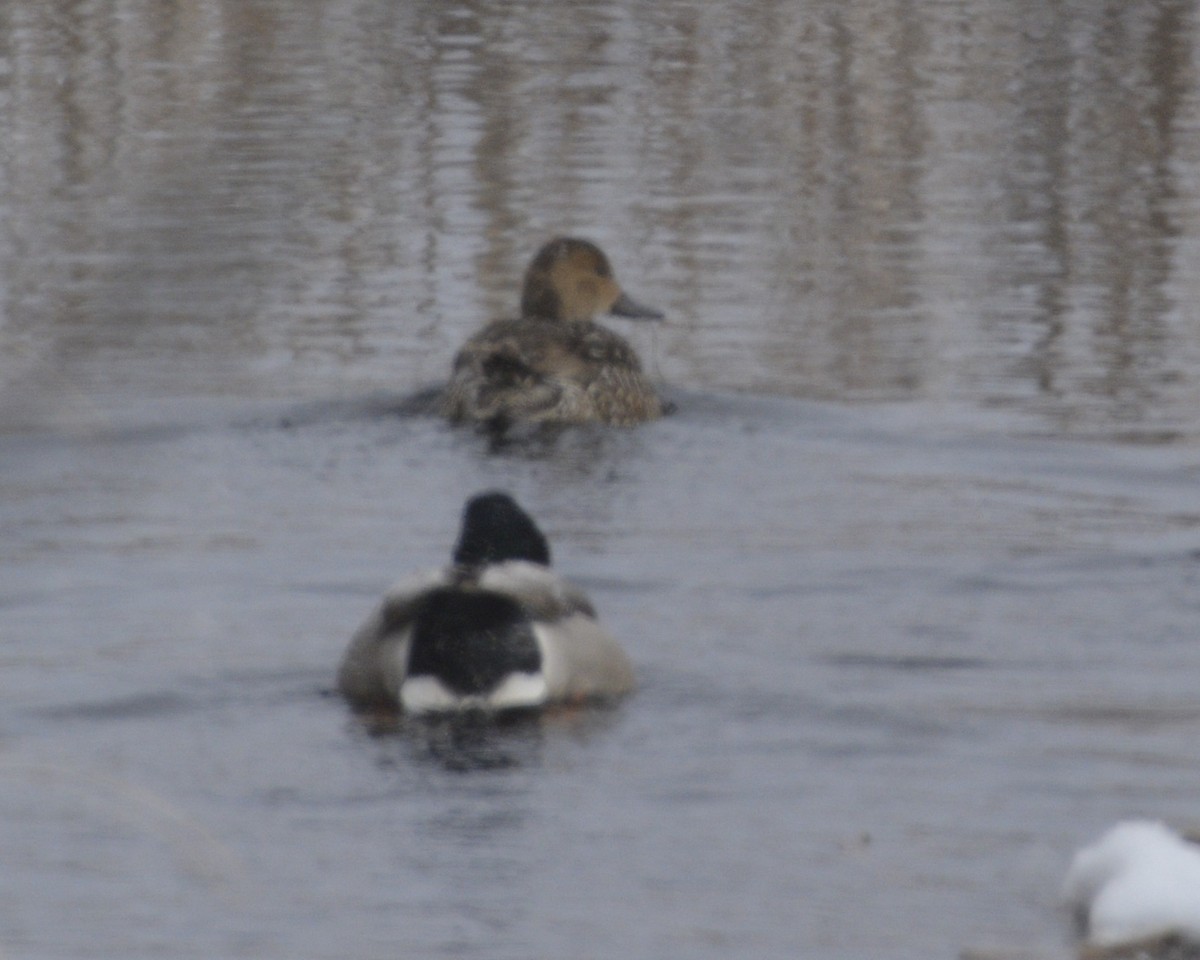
{"type": "Point", "coordinates": [555, 364]}
{"type": "Point", "coordinates": [496, 630]}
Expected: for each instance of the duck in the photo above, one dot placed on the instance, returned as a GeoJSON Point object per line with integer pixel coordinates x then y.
{"type": "Point", "coordinates": [554, 363]}
{"type": "Point", "coordinates": [1136, 892]}
{"type": "Point", "coordinates": [495, 631]}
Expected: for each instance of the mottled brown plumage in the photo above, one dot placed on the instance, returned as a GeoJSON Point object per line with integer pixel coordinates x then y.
{"type": "Point", "coordinates": [555, 364]}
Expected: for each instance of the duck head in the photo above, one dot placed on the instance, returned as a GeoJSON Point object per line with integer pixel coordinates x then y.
{"type": "Point", "coordinates": [495, 529]}
{"type": "Point", "coordinates": [571, 279]}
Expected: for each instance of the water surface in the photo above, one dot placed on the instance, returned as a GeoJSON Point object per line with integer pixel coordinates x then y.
{"type": "Point", "coordinates": [910, 580]}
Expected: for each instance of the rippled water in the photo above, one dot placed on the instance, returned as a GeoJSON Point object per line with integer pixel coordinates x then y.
{"type": "Point", "coordinates": [910, 580]}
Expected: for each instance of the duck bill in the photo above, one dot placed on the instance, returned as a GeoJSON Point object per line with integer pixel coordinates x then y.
{"type": "Point", "coordinates": [626, 306]}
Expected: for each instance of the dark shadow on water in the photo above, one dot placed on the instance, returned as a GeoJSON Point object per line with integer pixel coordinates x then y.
{"type": "Point", "coordinates": [479, 741]}
{"type": "Point", "coordinates": [137, 706]}
{"type": "Point", "coordinates": [374, 406]}
{"type": "Point", "coordinates": [458, 743]}
{"type": "Point", "coordinates": [465, 744]}
{"type": "Point", "coordinates": [582, 447]}
{"type": "Point", "coordinates": [233, 689]}
{"type": "Point", "coordinates": [908, 663]}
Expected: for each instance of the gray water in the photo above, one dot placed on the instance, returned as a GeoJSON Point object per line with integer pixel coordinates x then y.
{"type": "Point", "coordinates": [910, 579]}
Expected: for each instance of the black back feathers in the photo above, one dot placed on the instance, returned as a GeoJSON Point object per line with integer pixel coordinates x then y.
{"type": "Point", "coordinates": [471, 641]}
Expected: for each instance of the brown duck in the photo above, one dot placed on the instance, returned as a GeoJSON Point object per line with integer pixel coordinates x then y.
{"type": "Point", "coordinates": [555, 364]}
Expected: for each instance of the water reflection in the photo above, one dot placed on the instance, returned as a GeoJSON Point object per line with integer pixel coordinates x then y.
{"type": "Point", "coordinates": [461, 743]}
{"type": "Point", "coordinates": [964, 203]}
{"type": "Point", "coordinates": [1092, 196]}
{"type": "Point", "coordinates": [466, 743]}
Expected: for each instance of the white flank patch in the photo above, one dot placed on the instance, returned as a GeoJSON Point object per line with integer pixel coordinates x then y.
{"type": "Point", "coordinates": [554, 666]}
{"type": "Point", "coordinates": [430, 695]}
{"type": "Point", "coordinates": [1140, 880]}
{"type": "Point", "coordinates": [519, 690]}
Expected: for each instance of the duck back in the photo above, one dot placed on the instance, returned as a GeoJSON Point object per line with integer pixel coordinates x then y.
{"type": "Point", "coordinates": [471, 647]}
{"type": "Point", "coordinates": [545, 370]}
